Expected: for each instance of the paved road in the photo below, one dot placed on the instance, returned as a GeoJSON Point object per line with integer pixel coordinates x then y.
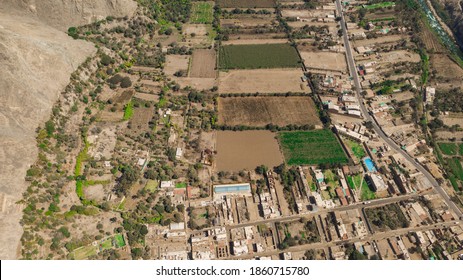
{"type": "Point", "coordinates": [323, 245]}
{"type": "Point", "coordinates": [377, 129]}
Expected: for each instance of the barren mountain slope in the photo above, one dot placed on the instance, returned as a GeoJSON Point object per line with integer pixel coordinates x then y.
{"type": "Point", "coordinates": [37, 61]}
{"type": "Point", "coordinates": [62, 14]}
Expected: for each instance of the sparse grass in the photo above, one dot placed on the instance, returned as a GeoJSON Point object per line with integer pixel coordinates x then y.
{"type": "Point", "coordinates": [202, 12]}
{"type": "Point", "coordinates": [377, 5]}
{"type": "Point", "coordinates": [83, 253]}
{"type": "Point", "coordinates": [311, 147]}
{"type": "Point", "coordinates": [258, 56]}
{"type": "Point", "coordinates": [152, 185]}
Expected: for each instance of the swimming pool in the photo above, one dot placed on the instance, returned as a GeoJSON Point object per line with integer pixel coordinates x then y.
{"type": "Point", "coordinates": [369, 164]}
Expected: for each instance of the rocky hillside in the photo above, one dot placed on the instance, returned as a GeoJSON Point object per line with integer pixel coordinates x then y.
{"type": "Point", "coordinates": [37, 59]}
{"type": "Point", "coordinates": [451, 12]}
{"type": "Point", "coordinates": [62, 14]}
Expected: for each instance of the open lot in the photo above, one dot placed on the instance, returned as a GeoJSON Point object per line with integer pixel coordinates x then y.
{"type": "Point", "coordinates": [262, 81]}
{"type": "Point", "coordinates": [311, 147]}
{"type": "Point", "coordinates": [176, 63]}
{"type": "Point", "coordinates": [260, 111]}
{"type": "Point", "coordinates": [246, 150]}
{"type": "Point", "coordinates": [246, 3]}
{"type": "Point", "coordinates": [203, 64]}
{"type": "Point", "coordinates": [202, 12]}
{"type": "Point", "coordinates": [248, 21]}
{"type": "Point", "coordinates": [325, 60]}
{"type": "Point", "coordinates": [258, 56]}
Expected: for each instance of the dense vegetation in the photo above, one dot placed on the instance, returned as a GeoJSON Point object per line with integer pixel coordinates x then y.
{"type": "Point", "coordinates": [388, 217]}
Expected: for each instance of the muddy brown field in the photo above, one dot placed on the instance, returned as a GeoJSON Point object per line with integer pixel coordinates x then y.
{"type": "Point", "coordinates": [260, 111]}
{"type": "Point", "coordinates": [262, 81]}
{"type": "Point", "coordinates": [238, 150]}
{"type": "Point", "coordinates": [203, 64]}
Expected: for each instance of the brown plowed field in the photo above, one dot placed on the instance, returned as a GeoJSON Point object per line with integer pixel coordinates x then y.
{"type": "Point", "coordinates": [260, 111]}
{"type": "Point", "coordinates": [203, 64]}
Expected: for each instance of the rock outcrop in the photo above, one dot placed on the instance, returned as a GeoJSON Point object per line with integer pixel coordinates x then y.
{"type": "Point", "coordinates": [63, 14]}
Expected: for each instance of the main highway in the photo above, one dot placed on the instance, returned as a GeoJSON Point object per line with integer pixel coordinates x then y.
{"type": "Point", "coordinates": [376, 128]}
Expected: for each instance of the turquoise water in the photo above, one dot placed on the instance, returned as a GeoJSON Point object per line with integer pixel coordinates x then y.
{"type": "Point", "coordinates": [435, 25]}
{"type": "Point", "coordinates": [232, 188]}
{"type": "Point", "coordinates": [369, 164]}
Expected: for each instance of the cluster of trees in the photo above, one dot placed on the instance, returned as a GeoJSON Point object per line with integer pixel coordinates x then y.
{"type": "Point", "coordinates": [117, 79]}
{"type": "Point", "coordinates": [388, 216]}
{"type": "Point", "coordinates": [449, 100]}
{"type": "Point", "coordinates": [125, 181]}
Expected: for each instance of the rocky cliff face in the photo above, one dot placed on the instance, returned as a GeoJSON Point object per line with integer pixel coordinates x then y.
{"type": "Point", "coordinates": [455, 10]}
{"type": "Point", "coordinates": [62, 14]}
{"type": "Point", "coordinates": [36, 59]}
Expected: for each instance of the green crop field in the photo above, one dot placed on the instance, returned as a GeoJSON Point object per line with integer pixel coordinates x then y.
{"type": "Point", "coordinates": [455, 166]}
{"type": "Point", "coordinates": [258, 56]}
{"type": "Point", "coordinates": [202, 12]}
{"type": "Point", "coordinates": [311, 147]}
{"type": "Point", "coordinates": [449, 149]}
{"type": "Point", "coordinates": [461, 149]}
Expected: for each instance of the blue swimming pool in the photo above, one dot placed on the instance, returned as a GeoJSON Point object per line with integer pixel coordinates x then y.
{"type": "Point", "coordinates": [369, 164]}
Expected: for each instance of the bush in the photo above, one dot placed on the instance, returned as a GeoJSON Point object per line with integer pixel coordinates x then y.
{"type": "Point", "coordinates": [126, 82]}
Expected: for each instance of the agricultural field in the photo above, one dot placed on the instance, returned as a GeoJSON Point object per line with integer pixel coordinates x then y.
{"type": "Point", "coordinates": [246, 3]}
{"type": "Point", "coordinates": [449, 149]}
{"type": "Point", "coordinates": [260, 111]}
{"type": "Point", "coordinates": [258, 56]}
{"type": "Point", "coordinates": [311, 148]}
{"type": "Point", "coordinates": [246, 150]}
{"type": "Point", "coordinates": [202, 12]}
{"type": "Point", "coordinates": [456, 167]}
{"type": "Point", "coordinates": [203, 64]}
{"type": "Point", "coordinates": [262, 81]}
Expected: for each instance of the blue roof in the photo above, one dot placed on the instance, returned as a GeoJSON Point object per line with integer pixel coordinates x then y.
{"type": "Point", "coordinates": [232, 188]}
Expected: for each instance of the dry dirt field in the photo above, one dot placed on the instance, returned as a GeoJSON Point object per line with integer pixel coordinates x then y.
{"type": "Point", "coordinates": [254, 41]}
{"type": "Point", "coordinates": [197, 29]}
{"type": "Point", "coordinates": [197, 83]}
{"type": "Point", "coordinates": [379, 40]}
{"type": "Point", "coordinates": [139, 121]}
{"type": "Point", "coordinates": [246, 21]}
{"type": "Point", "coordinates": [203, 64]}
{"type": "Point", "coordinates": [175, 63]}
{"type": "Point", "coordinates": [260, 111]}
{"type": "Point", "coordinates": [262, 81]}
{"type": "Point", "coordinates": [262, 36]}
{"type": "Point", "coordinates": [445, 67]}
{"type": "Point", "coordinates": [237, 150]}
{"type": "Point", "coordinates": [325, 60]}
{"type": "Point", "coordinates": [400, 56]}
